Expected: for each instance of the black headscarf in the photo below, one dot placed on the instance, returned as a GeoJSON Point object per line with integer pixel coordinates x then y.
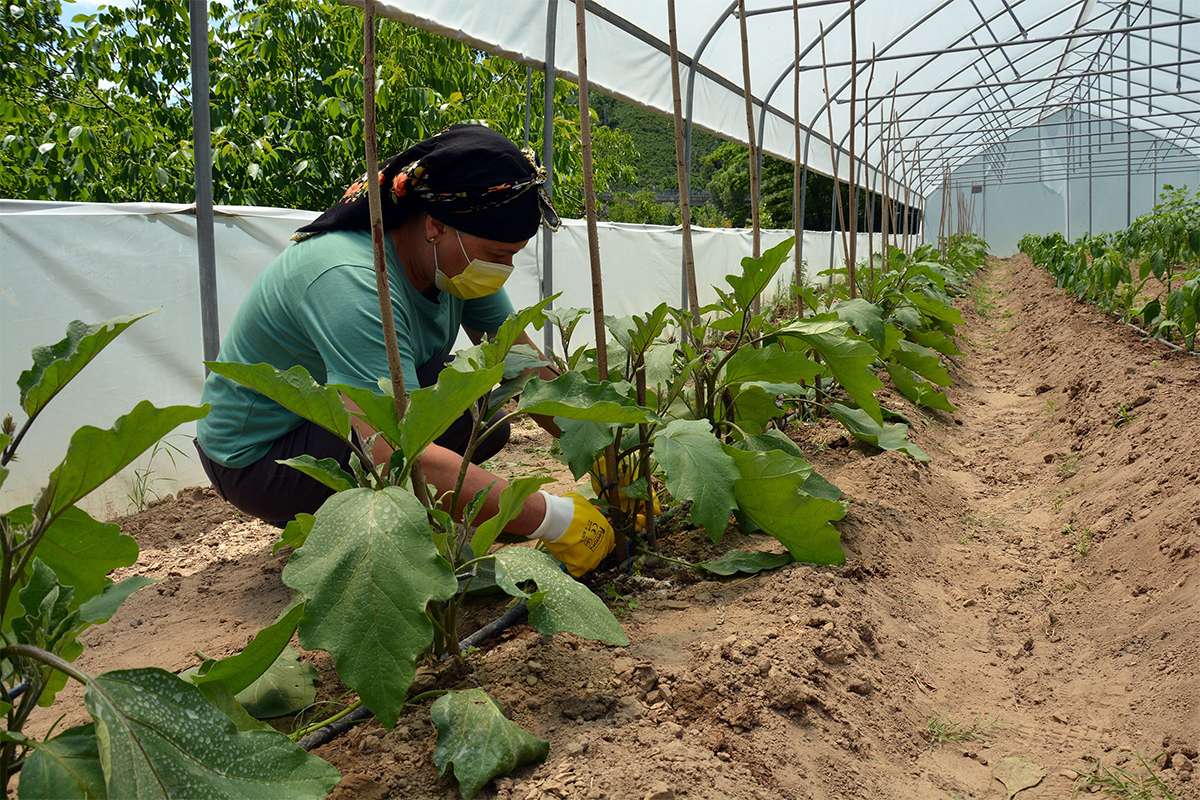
{"type": "Point", "coordinates": [468, 176]}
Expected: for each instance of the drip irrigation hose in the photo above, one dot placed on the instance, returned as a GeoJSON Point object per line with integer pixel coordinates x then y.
{"type": "Point", "coordinates": [16, 691]}
{"type": "Point", "coordinates": [488, 632]}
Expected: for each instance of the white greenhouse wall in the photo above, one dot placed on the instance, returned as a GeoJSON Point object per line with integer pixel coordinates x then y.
{"type": "Point", "coordinates": [1006, 212]}
{"type": "Point", "coordinates": [65, 261]}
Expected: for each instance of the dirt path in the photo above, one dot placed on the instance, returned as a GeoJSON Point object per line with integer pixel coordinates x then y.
{"type": "Point", "coordinates": [1030, 592]}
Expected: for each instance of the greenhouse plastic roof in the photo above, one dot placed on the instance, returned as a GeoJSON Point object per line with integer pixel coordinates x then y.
{"type": "Point", "coordinates": [967, 73]}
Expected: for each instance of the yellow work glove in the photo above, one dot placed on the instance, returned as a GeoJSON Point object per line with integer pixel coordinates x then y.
{"type": "Point", "coordinates": [575, 532]}
{"type": "Point", "coordinates": [629, 469]}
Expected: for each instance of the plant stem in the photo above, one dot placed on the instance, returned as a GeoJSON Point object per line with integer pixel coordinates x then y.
{"type": "Point", "coordinates": [300, 733]}
{"type": "Point", "coordinates": [669, 559]}
{"type": "Point", "coordinates": [644, 443]}
{"type": "Point", "coordinates": [44, 657]}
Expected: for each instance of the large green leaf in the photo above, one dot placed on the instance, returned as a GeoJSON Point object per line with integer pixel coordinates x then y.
{"type": "Point", "coordinates": [581, 441]}
{"type": "Point", "coordinates": [287, 687]}
{"type": "Point", "coordinates": [95, 455]}
{"type": "Point", "coordinates": [698, 469]}
{"type": "Point", "coordinates": [368, 570]}
{"type": "Point", "coordinates": [750, 562]}
{"type": "Point", "coordinates": [160, 738]}
{"type": "Point", "coordinates": [917, 389]}
{"type": "Point", "coordinates": [561, 604]}
{"type": "Point", "coordinates": [477, 742]}
{"type": "Point", "coordinates": [771, 363]}
{"type": "Point", "coordinates": [935, 309]}
{"type": "Point", "coordinates": [65, 767]}
{"type": "Point", "coordinates": [323, 470]}
{"type": "Point", "coordinates": [511, 501]}
{"type": "Point", "coordinates": [850, 362]}
{"type": "Point", "coordinates": [295, 390]}
{"type": "Point", "coordinates": [55, 365]}
{"type": "Point", "coordinates": [573, 396]}
{"type": "Point", "coordinates": [935, 340]}
{"type": "Point", "coordinates": [754, 407]}
{"type": "Point", "coordinates": [377, 409]}
{"type": "Point", "coordinates": [865, 317]}
{"type": "Point", "coordinates": [757, 273]}
{"type": "Point", "coordinates": [295, 533]}
{"type": "Point", "coordinates": [435, 408]}
{"type": "Point", "coordinates": [496, 349]}
{"type": "Point", "coordinates": [81, 550]}
{"type": "Point", "coordinates": [103, 606]}
{"type": "Point", "coordinates": [888, 436]}
{"type": "Point", "coordinates": [923, 361]}
{"type": "Point", "coordinates": [238, 671]}
{"type": "Point", "coordinates": [771, 493]}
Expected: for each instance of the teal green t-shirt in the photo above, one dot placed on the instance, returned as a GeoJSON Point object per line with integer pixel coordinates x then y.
{"type": "Point", "coordinates": [316, 305]}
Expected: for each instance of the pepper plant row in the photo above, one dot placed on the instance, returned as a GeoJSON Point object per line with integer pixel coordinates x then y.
{"type": "Point", "coordinates": [702, 403]}
{"type": "Point", "coordinates": [1148, 273]}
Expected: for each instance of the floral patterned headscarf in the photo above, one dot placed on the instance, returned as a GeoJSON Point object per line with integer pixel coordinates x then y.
{"type": "Point", "coordinates": [468, 176]}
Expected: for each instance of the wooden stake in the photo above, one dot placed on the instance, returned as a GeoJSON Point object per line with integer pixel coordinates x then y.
{"type": "Point", "coordinates": [589, 194]}
{"type": "Point", "coordinates": [852, 202]}
{"type": "Point", "coordinates": [375, 207]}
{"type": "Point", "coordinates": [589, 209]}
{"type": "Point", "coordinates": [681, 172]}
{"type": "Point", "coordinates": [837, 186]}
{"type": "Point", "coordinates": [751, 141]}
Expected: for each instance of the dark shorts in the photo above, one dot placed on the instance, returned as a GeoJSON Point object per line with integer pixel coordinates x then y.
{"type": "Point", "coordinates": [276, 493]}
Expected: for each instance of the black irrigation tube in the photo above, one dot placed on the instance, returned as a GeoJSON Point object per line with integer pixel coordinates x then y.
{"type": "Point", "coordinates": [488, 632]}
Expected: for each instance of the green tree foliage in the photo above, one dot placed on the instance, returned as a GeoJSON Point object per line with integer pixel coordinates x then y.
{"type": "Point", "coordinates": [99, 109]}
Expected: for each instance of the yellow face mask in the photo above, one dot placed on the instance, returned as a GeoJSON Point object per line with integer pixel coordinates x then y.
{"type": "Point", "coordinates": [478, 279]}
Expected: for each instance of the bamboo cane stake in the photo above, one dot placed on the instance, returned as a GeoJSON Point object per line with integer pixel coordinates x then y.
{"type": "Point", "coordinates": [885, 217]}
{"type": "Point", "coordinates": [755, 220]}
{"type": "Point", "coordinates": [374, 203]}
{"type": "Point", "coordinates": [681, 173]}
{"type": "Point", "coordinates": [589, 207]}
{"type": "Point", "coordinates": [837, 186]}
{"type": "Point", "coordinates": [375, 207]}
{"type": "Point", "coordinates": [589, 192]}
{"type": "Point", "coordinates": [797, 222]}
{"type": "Point", "coordinates": [869, 205]}
{"type": "Point", "coordinates": [852, 265]}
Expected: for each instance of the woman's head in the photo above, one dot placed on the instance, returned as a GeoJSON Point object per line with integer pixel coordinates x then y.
{"type": "Point", "coordinates": [468, 177]}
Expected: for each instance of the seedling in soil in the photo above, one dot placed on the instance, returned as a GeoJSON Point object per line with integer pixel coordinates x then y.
{"type": "Point", "coordinates": [943, 730]}
{"type": "Point", "coordinates": [141, 491]}
{"type": "Point", "coordinates": [1069, 466]}
{"type": "Point", "coordinates": [1124, 415]}
{"type": "Point", "coordinates": [1124, 784]}
{"type": "Point", "coordinates": [1083, 539]}
{"type": "Point", "coordinates": [623, 604]}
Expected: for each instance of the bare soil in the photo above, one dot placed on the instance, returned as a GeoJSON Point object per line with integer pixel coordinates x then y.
{"type": "Point", "coordinates": [1031, 592]}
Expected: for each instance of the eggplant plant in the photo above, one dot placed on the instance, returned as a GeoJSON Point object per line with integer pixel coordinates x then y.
{"type": "Point", "coordinates": [152, 734]}
{"type": "Point", "coordinates": [381, 573]}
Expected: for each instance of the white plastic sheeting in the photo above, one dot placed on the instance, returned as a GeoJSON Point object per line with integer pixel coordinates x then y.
{"type": "Point", "coordinates": [1023, 181]}
{"type": "Point", "coordinates": [929, 48]}
{"type": "Point", "coordinates": [92, 262]}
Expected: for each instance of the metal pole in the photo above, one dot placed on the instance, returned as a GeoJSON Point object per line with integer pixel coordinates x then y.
{"type": "Point", "coordinates": [1067, 194]}
{"type": "Point", "coordinates": [1091, 137]}
{"type": "Point", "coordinates": [550, 74]}
{"type": "Point", "coordinates": [1128, 128]}
{"type": "Point", "coordinates": [202, 160]}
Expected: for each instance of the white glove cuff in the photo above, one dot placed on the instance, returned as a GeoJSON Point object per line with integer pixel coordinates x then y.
{"type": "Point", "coordinates": [559, 512]}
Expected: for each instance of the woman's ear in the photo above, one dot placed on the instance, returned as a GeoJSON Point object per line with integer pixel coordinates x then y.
{"type": "Point", "coordinates": [434, 230]}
